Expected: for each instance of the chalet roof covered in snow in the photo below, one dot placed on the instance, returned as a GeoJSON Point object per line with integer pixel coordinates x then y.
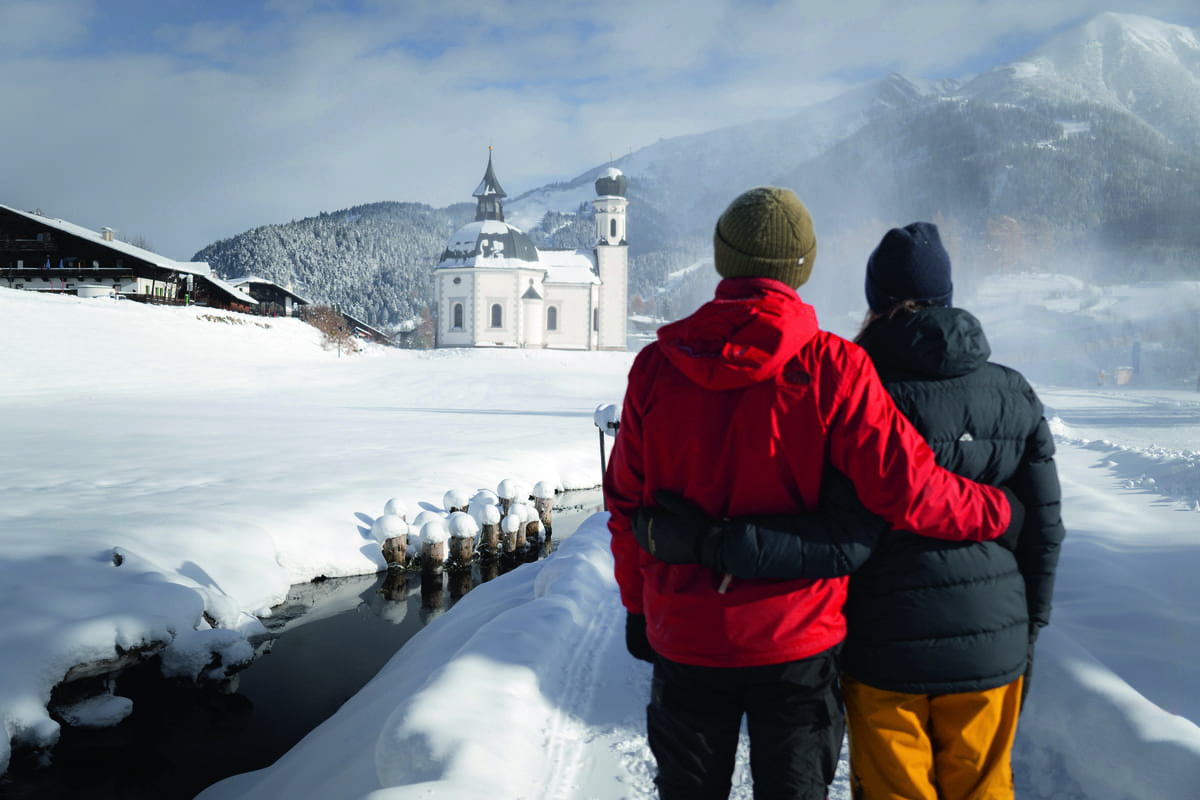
{"type": "Point", "coordinates": [194, 267]}
{"type": "Point", "coordinates": [248, 281]}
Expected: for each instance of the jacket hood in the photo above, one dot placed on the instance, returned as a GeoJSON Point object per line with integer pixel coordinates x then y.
{"type": "Point", "coordinates": [743, 336]}
{"type": "Point", "coordinates": [932, 342]}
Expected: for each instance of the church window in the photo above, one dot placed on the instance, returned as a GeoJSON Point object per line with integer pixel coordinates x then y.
{"type": "Point", "coordinates": [612, 229]}
{"type": "Point", "coordinates": [458, 316]}
{"type": "Point", "coordinates": [552, 318]}
{"type": "Point", "coordinates": [497, 316]}
{"type": "Point", "coordinates": [595, 319]}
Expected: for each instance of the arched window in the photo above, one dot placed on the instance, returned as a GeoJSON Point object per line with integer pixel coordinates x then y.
{"type": "Point", "coordinates": [497, 316]}
{"type": "Point", "coordinates": [595, 319]}
{"type": "Point", "coordinates": [458, 316]}
{"type": "Point", "coordinates": [612, 229]}
{"type": "Point", "coordinates": [551, 318]}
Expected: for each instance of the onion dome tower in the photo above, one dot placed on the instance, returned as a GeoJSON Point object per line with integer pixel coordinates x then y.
{"type": "Point", "coordinates": [612, 259]}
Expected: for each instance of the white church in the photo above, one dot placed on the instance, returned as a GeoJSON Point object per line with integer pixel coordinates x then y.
{"type": "Point", "coordinates": [494, 288]}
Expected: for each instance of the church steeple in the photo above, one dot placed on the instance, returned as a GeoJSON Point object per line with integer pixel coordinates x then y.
{"type": "Point", "coordinates": [489, 195]}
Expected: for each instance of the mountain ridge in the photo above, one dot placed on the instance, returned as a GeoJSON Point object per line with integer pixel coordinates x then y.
{"type": "Point", "coordinates": [1079, 150]}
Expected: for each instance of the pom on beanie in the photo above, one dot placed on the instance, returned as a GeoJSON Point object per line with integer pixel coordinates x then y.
{"type": "Point", "coordinates": [765, 232]}
{"type": "Point", "coordinates": [910, 263]}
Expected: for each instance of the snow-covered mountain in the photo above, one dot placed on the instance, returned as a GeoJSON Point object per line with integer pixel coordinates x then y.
{"type": "Point", "coordinates": [1081, 156]}
{"type": "Point", "coordinates": [1148, 68]}
{"type": "Point", "coordinates": [1084, 150]}
{"type": "Point", "coordinates": [693, 175]}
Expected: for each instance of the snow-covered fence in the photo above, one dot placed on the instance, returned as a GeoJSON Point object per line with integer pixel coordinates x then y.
{"type": "Point", "coordinates": [485, 525]}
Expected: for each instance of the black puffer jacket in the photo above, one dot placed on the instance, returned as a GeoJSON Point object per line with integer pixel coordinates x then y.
{"type": "Point", "coordinates": [927, 616]}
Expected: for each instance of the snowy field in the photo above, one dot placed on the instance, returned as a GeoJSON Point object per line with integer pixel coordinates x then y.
{"type": "Point", "coordinates": [167, 474]}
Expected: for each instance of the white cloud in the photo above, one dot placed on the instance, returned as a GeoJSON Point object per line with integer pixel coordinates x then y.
{"type": "Point", "coordinates": [27, 26]}
{"type": "Point", "coordinates": [208, 125]}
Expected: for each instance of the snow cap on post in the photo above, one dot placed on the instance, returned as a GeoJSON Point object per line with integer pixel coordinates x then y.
{"type": "Point", "coordinates": [509, 489]}
{"type": "Point", "coordinates": [487, 515]}
{"type": "Point", "coordinates": [607, 418]}
{"type": "Point", "coordinates": [462, 525]}
{"type": "Point", "coordinates": [388, 526]}
{"type": "Point", "coordinates": [455, 500]}
{"type": "Point", "coordinates": [435, 531]}
{"type": "Point", "coordinates": [396, 506]}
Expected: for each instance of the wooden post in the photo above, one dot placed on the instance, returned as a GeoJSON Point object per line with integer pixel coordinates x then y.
{"type": "Point", "coordinates": [509, 492]}
{"type": "Point", "coordinates": [512, 528]}
{"type": "Point", "coordinates": [488, 517]}
{"type": "Point", "coordinates": [463, 530]}
{"type": "Point", "coordinates": [462, 549]}
{"type": "Point", "coordinates": [489, 540]}
{"type": "Point", "coordinates": [434, 535]}
{"type": "Point", "coordinates": [395, 551]}
{"type": "Point", "coordinates": [543, 502]}
{"type": "Point", "coordinates": [525, 513]}
{"type": "Point", "coordinates": [608, 420]}
{"type": "Point", "coordinates": [433, 556]}
{"type": "Point", "coordinates": [391, 531]}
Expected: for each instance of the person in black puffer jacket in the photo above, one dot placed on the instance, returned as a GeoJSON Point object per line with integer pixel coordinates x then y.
{"type": "Point", "coordinates": [940, 634]}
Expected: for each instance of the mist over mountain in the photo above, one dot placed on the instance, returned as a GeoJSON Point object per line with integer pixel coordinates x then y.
{"type": "Point", "coordinates": [1082, 156]}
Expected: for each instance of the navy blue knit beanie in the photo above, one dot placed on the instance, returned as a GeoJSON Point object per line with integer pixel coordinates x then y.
{"type": "Point", "coordinates": [909, 264]}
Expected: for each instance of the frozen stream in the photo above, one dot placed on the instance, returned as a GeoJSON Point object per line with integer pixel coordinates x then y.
{"type": "Point", "coordinates": [332, 637]}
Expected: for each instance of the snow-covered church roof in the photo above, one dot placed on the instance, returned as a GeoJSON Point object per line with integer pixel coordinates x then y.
{"type": "Point", "coordinates": [569, 266]}
{"type": "Point", "coordinates": [489, 243]}
{"type": "Point", "coordinates": [492, 243]}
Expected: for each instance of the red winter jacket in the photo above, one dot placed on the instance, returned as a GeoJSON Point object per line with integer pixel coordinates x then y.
{"type": "Point", "coordinates": [739, 408]}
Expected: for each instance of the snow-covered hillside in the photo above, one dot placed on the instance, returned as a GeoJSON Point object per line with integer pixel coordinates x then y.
{"type": "Point", "coordinates": [1141, 65]}
{"type": "Point", "coordinates": [166, 469]}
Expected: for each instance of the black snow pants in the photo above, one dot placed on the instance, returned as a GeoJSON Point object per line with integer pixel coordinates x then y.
{"type": "Point", "coordinates": [793, 715]}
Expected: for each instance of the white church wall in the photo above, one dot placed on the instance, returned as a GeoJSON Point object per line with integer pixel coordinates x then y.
{"type": "Point", "coordinates": [614, 300]}
{"type": "Point", "coordinates": [450, 296]}
{"type": "Point", "coordinates": [494, 290]}
{"type": "Point", "coordinates": [573, 315]}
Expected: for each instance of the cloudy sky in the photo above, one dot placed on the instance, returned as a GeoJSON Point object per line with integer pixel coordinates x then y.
{"type": "Point", "coordinates": [187, 121]}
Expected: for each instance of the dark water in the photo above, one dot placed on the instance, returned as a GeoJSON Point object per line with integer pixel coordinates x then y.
{"type": "Point", "coordinates": [331, 637]}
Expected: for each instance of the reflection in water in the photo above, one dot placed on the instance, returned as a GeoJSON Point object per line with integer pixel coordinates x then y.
{"type": "Point", "coordinates": [328, 639]}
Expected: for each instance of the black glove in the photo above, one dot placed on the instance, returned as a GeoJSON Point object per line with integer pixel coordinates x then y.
{"type": "Point", "coordinates": [680, 532]}
{"type": "Point", "coordinates": [635, 637]}
{"type": "Point", "coordinates": [1012, 534]}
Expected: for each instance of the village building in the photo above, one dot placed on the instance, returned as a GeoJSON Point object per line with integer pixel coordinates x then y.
{"type": "Point", "coordinates": [274, 300]}
{"type": "Point", "coordinates": [495, 288]}
{"type": "Point", "coordinates": [44, 254]}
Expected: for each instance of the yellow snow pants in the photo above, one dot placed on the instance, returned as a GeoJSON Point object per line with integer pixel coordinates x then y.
{"type": "Point", "coordinates": [931, 747]}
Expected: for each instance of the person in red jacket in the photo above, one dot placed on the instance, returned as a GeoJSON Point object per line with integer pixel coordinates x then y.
{"type": "Point", "coordinates": [740, 408]}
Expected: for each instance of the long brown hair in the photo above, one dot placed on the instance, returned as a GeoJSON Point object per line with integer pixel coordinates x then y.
{"type": "Point", "coordinates": [901, 307]}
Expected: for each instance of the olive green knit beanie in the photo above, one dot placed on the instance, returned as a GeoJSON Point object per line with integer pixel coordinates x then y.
{"type": "Point", "coordinates": [765, 233]}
